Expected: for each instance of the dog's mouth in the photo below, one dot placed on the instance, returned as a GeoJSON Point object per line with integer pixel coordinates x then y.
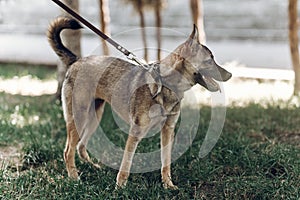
{"type": "Point", "coordinates": [208, 78]}
{"type": "Point", "coordinates": [207, 82]}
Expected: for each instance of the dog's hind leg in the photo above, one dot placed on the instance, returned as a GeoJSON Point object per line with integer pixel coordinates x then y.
{"type": "Point", "coordinates": [69, 152]}
{"type": "Point", "coordinates": [76, 124]}
{"type": "Point", "coordinates": [72, 132]}
{"type": "Point", "coordinates": [94, 118]}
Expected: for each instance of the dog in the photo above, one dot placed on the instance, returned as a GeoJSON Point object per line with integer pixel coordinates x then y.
{"type": "Point", "coordinates": [132, 93]}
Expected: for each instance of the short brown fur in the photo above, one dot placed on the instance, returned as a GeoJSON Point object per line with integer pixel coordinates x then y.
{"type": "Point", "coordinates": [129, 89]}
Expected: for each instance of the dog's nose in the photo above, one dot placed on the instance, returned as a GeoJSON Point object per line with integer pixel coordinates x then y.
{"type": "Point", "coordinates": [225, 75]}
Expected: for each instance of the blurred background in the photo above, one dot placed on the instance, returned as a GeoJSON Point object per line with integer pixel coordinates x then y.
{"type": "Point", "coordinates": [250, 37]}
{"type": "Point", "coordinates": [251, 32]}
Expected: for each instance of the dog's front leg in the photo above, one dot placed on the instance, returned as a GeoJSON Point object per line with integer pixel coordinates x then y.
{"type": "Point", "coordinates": [134, 137]}
{"type": "Point", "coordinates": [167, 139]}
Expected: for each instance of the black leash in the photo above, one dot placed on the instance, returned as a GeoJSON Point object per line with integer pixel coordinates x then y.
{"type": "Point", "coordinates": [153, 69]}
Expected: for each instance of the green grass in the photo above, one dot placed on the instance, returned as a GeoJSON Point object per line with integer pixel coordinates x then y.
{"type": "Point", "coordinates": [257, 157]}
{"type": "Point", "coordinates": [16, 70]}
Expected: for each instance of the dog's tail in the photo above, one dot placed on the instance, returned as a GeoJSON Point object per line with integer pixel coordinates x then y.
{"type": "Point", "coordinates": [53, 34]}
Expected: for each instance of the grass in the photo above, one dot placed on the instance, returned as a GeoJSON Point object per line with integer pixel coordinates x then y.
{"type": "Point", "coordinates": [16, 70]}
{"type": "Point", "coordinates": [257, 156]}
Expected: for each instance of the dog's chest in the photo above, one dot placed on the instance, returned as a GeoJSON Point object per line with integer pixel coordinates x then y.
{"type": "Point", "coordinates": [132, 98]}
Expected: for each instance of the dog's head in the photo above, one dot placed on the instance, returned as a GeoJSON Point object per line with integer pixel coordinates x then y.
{"type": "Point", "coordinates": [199, 63]}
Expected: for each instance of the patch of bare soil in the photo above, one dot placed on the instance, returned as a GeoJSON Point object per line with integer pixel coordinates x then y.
{"type": "Point", "coordinates": [10, 156]}
{"type": "Point", "coordinates": [292, 138]}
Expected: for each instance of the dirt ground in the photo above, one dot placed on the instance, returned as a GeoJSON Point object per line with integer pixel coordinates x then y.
{"type": "Point", "coordinates": [10, 156]}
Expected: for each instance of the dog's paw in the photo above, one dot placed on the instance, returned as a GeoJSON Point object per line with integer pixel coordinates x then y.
{"type": "Point", "coordinates": [170, 186]}
{"type": "Point", "coordinates": [122, 179]}
{"type": "Point", "coordinates": [73, 173]}
{"type": "Point", "coordinates": [121, 184]}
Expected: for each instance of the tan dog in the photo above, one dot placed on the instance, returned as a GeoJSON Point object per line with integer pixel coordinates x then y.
{"type": "Point", "coordinates": [129, 89]}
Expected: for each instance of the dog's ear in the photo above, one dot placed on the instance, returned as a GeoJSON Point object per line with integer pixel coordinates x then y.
{"type": "Point", "coordinates": [194, 37]}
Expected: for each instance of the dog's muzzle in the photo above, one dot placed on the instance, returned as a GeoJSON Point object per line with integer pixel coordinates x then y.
{"type": "Point", "coordinates": [207, 82]}
{"type": "Point", "coordinates": [207, 77]}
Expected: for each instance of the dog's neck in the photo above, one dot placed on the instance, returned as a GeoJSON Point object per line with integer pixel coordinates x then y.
{"type": "Point", "coordinates": [172, 76]}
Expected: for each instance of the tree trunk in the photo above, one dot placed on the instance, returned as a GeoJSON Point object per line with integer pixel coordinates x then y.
{"type": "Point", "coordinates": [71, 39]}
{"type": "Point", "coordinates": [294, 40]}
{"type": "Point", "coordinates": [197, 15]}
{"type": "Point", "coordinates": [158, 28]}
{"type": "Point", "coordinates": [140, 8]}
{"type": "Point", "coordinates": [105, 20]}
